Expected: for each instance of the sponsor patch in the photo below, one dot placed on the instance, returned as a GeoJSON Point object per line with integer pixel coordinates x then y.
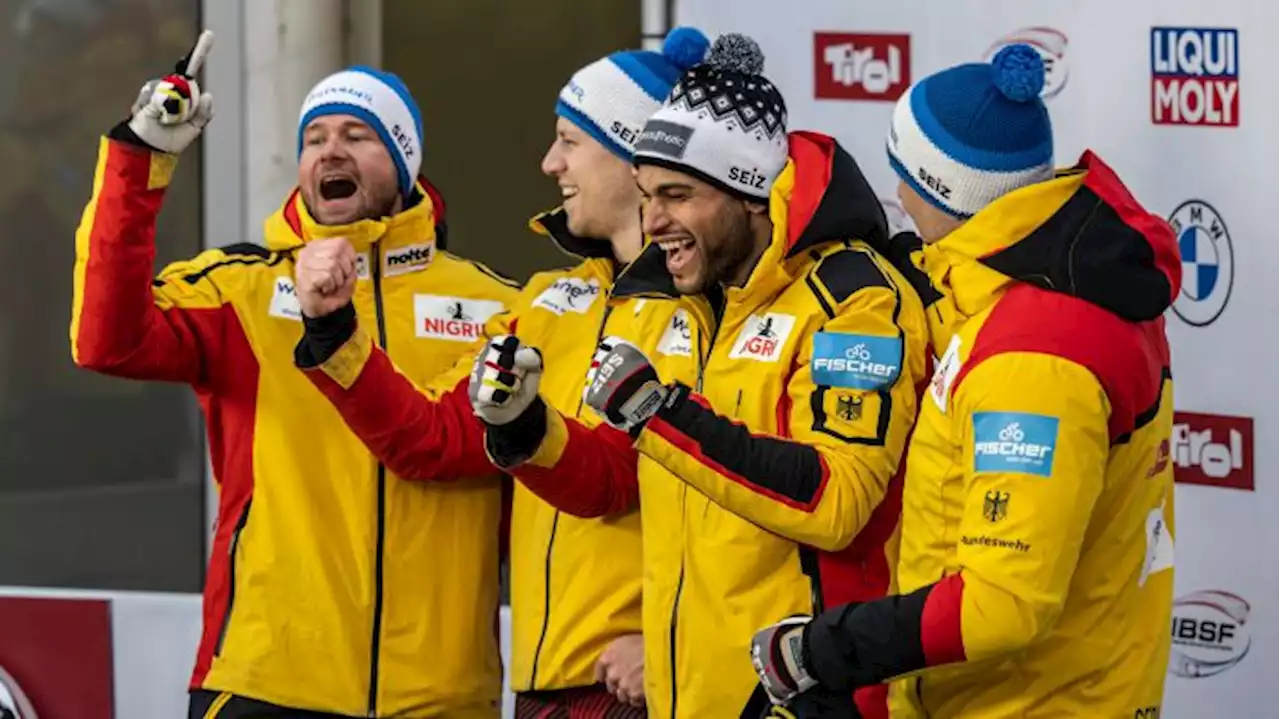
{"type": "Point", "coordinates": [452, 318]}
{"type": "Point", "coordinates": [763, 338]}
{"type": "Point", "coordinates": [407, 259]}
{"type": "Point", "coordinates": [284, 300]}
{"type": "Point", "coordinates": [863, 362]}
{"type": "Point", "coordinates": [677, 340]}
{"type": "Point", "coordinates": [1014, 442]}
{"type": "Point", "coordinates": [944, 374]}
{"type": "Point", "coordinates": [569, 294]}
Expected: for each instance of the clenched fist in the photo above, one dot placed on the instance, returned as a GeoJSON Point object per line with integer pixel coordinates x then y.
{"type": "Point", "coordinates": [325, 276]}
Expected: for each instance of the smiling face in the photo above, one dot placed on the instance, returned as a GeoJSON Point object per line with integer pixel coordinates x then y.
{"type": "Point", "coordinates": [708, 234]}
{"type": "Point", "coordinates": [600, 197]}
{"type": "Point", "coordinates": [345, 172]}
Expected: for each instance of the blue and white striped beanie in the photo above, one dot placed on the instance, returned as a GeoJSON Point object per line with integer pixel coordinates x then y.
{"type": "Point", "coordinates": [380, 100]}
{"type": "Point", "coordinates": [966, 136]}
{"type": "Point", "coordinates": [611, 98]}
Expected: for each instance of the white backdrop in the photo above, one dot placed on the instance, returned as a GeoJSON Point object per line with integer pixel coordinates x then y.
{"type": "Point", "coordinates": [1219, 182]}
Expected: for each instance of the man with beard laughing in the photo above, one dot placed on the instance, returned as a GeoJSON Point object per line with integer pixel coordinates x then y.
{"type": "Point", "coordinates": [788, 442]}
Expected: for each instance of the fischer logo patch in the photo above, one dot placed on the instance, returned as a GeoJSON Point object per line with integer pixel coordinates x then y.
{"type": "Point", "coordinates": [763, 338]}
{"type": "Point", "coordinates": [452, 318]}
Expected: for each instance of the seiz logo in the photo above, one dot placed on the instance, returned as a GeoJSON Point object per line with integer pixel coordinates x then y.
{"type": "Point", "coordinates": [1213, 450]}
{"type": "Point", "coordinates": [1209, 633]}
{"type": "Point", "coordinates": [934, 183]}
{"type": "Point", "coordinates": [569, 294]}
{"type": "Point", "coordinates": [452, 318]}
{"type": "Point", "coordinates": [408, 259]}
{"type": "Point", "coordinates": [677, 339]}
{"type": "Point", "coordinates": [284, 300]}
{"type": "Point", "coordinates": [1014, 442]}
{"type": "Point", "coordinates": [763, 338]}
{"type": "Point", "coordinates": [752, 178]}
{"type": "Point", "coordinates": [623, 132]}
{"type": "Point", "coordinates": [1195, 76]}
{"type": "Point", "coordinates": [403, 140]}
{"type": "Point", "coordinates": [855, 66]}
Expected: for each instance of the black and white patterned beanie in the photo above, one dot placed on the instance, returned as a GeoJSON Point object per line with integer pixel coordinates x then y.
{"type": "Point", "coordinates": [723, 123]}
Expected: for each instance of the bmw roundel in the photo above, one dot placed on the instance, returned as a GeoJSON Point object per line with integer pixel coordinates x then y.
{"type": "Point", "coordinates": [1208, 265]}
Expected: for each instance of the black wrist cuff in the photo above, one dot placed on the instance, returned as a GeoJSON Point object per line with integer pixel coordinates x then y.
{"type": "Point", "coordinates": [515, 442]}
{"type": "Point", "coordinates": [323, 336]}
{"type": "Point", "coordinates": [124, 133]}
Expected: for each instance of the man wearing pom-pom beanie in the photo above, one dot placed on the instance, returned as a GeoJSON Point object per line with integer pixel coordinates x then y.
{"type": "Point", "coordinates": [576, 604]}
{"type": "Point", "coordinates": [1036, 563]}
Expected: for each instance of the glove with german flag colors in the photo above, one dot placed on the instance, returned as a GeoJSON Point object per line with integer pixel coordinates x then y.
{"type": "Point", "coordinates": [504, 380]}
{"type": "Point", "coordinates": [623, 387]}
{"type": "Point", "coordinates": [171, 112]}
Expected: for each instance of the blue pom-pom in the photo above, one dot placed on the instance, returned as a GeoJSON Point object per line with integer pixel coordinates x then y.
{"type": "Point", "coordinates": [1018, 72]}
{"type": "Point", "coordinates": [685, 47]}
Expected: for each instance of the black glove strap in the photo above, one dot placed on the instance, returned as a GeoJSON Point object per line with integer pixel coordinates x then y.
{"type": "Point", "coordinates": [515, 442]}
{"type": "Point", "coordinates": [324, 336]}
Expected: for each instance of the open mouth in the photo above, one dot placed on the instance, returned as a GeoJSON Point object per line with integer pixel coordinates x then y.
{"type": "Point", "coordinates": [680, 253]}
{"type": "Point", "coordinates": [337, 188]}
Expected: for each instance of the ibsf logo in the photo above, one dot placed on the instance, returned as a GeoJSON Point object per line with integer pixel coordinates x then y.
{"type": "Point", "coordinates": [1195, 76]}
{"type": "Point", "coordinates": [1208, 263]}
{"type": "Point", "coordinates": [850, 66]}
{"type": "Point", "coordinates": [1050, 44]}
{"type": "Point", "coordinates": [14, 704]}
{"type": "Point", "coordinates": [1213, 450]}
{"type": "Point", "coordinates": [1210, 633]}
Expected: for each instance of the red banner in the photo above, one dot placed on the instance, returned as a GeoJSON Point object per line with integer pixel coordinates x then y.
{"type": "Point", "coordinates": [55, 658]}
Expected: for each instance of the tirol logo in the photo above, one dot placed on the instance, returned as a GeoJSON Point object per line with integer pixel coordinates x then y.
{"type": "Point", "coordinates": [452, 318]}
{"type": "Point", "coordinates": [1213, 450]}
{"type": "Point", "coordinates": [862, 362]}
{"type": "Point", "coordinates": [855, 66]}
{"type": "Point", "coordinates": [1210, 633]}
{"type": "Point", "coordinates": [1051, 44]}
{"type": "Point", "coordinates": [284, 300]}
{"type": "Point", "coordinates": [1195, 76]}
{"type": "Point", "coordinates": [677, 340]}
{"type": "Point", "coordinates": [569, 294]}
{"type": "Point", "coordinates": [763, 338]}
{"type": "Point", "coordinates": [408, 259]}
{"type": "Point", "coordinates": [1208, 263]}
{"type": "Point", "coordinates": [1014, 442]}
{"type": "Point", "coordinates": [14, 704]}
{"type": "Point", "coordinates": [667, 139]}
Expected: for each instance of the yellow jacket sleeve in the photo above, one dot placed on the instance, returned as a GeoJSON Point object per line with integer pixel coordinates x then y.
{"type": "Point", "coordinates": [1034, 444]}
{"type": "Point", "coordinates": [850, 405]}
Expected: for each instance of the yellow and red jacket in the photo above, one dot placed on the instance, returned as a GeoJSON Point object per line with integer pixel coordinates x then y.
{"type": "Point", "coordinates": [1036, 557]}
{"type": "Point", "coordinates": [331, 586]}
{"type": "Point", "coordinates": [771, 487]}
{"type": "Point", "coordinates": [575, 582]}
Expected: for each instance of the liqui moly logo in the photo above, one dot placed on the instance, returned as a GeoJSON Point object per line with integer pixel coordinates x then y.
{"type": "Point", "coordinates": [1195, 76]}
{"type": "Point", "coordinates": [854, 66]}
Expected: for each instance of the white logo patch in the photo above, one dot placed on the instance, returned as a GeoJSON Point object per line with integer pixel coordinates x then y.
{"type": "Point", "coordinates": [362, 266]}
{"type": "Point", "coordinates": [284, 301]}
{"type": "Point", "coordinates": [569, 294]}
{"type": "Point", "coordinates": [763, 338]}
{"type": "Point", "coordinates": [407, 259]}
{"type": "Point", "coordinates": [677, 340]}
{"type": "Point", "coordinates": [451, 318]}
{"type": "Point", "coordinates": [944, 374]}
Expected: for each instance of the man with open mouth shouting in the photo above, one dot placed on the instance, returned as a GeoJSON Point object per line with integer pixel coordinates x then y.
{"type": "Point", "coordinates": [329, 592]}
{"type": "Point", "coordinates": [786, 445]}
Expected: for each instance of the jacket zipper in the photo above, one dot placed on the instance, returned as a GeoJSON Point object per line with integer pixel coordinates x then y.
{"type": "Point", "coordinates": [555, 523]}
{"type": "Point", "coordinates": [376, 257]}
{"type": "Point", "coordinates": [231, 579]}
{"type": "Point", "coordinates": [684, 496]}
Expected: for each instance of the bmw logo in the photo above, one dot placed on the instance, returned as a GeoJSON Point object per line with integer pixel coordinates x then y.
{"type": "Point", "coordinates": [1208, 265]}
{"type": "Point", "coordinates": [13, 703]}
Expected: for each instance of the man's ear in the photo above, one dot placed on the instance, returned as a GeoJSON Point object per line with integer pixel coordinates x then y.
{"type": "Point", "coordinates": [756, 208]}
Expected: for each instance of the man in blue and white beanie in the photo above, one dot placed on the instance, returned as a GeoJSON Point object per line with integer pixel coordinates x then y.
{"type": "Point", "coordinates": [966, 136]}
{"type": "Point", "coordinates": [601, 110]}
{"type": "Point", "coordinates": [368, 182]}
